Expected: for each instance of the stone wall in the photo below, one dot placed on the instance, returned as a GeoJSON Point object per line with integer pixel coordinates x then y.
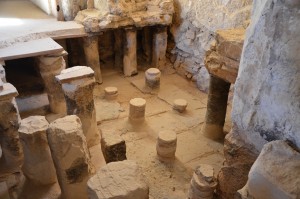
{"type": "Point", "coordinates": [266, 104]}
{"type": "Point", "coordinates": [193, 30]}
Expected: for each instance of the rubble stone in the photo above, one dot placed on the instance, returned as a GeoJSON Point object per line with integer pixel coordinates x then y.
{"type": "Point", "coordinates": [113, 147]}
{"type": "Point", "coordinates": [37, 155]}
{"type": "Point", "coordinates": [70, 155]}
{"type": "Point", "coordinates": [78, 84]}
{"type": "Point", "coordinates": [118, 180]}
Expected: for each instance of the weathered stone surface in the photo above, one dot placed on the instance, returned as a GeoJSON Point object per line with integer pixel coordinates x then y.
{"type": "Point", "coordinates": [203, 183]}
{"type": "Point", "coordinates": [166, 144]}
{"type": "Point", "coordinates": [78, 84]}
{"type": "Point", "coordinates": [159, 47]}
{"type": "Point", "coordinates": [275, 173]}
{"type": "Point", "coordinates": [37, 155]}
{"type": "Point", "coordinates": [152, 77]}
{"type": "Point", "coordinates": [49, 67]}
{"type": "Point", "coordinates": [137, 108]}
{"type": "Point", "coordinates": [266, 100]}
{"type": "Point", "coordinates": [194, 30]}
{"type": "Point", "coordinates": [111, 92]}
{"type": "Point", "coordinates": [12, 152]}
{"type": "Point", "coordinates": [72, 7]}
{"type": "Point", "coordinates": [122, 13]}
{"type": "Point", "coordinates": [2, 74]}
{"type": "Point", "coordinates": [113, 147]}
{"type": "Point", "coordinates": [118, 180]}
{"type": "Point", "coordinates": [223, 60]}
{"type": "Point", "coordinates": [91, 51]}
{"type": "Point", "coordinates": [180, 105]}
{"type": "Point", "coordinates": [70, 155]}
{"type": "Point", "coordinates": [130, 50]}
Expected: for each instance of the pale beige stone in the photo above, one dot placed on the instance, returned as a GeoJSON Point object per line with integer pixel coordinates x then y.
{"type": "Point", "coordinates": [71, 156]}
{"type": "Point", "coordinates": [166, 144]}
{"type": "Point", "coordinates": [137, 107]}
{"type": "Point", "coordinates": [180, 105]}
{"type": "Point", "coordinates": [118, 180]}
{"type": "Point", "coordinates": [37, 155]}
{"type": "Point", "coordinates": [111, 92]}
{"type": "Point", "coordinates": [78, 84]}
{"type": "Point", "coordinates": [152, 77]}
{"type": "Point", "coordinates": [113, 147]}
{"type": "Point", "coordinates": [159, 48]}
{"type": "Point", "coordinates": [130, 50]}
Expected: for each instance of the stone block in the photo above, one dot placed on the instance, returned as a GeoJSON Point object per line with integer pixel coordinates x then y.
{"type": "Point", "coordinates": [118, 180]}
{"type": "Point", "coordinates": [113, 147]}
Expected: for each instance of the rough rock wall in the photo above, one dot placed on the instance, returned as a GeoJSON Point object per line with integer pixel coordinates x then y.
{"type": "Point", "coordinates": [267, 96]}
{"type": "Point", "coordinates": [195, 24]}
{"type": "Point", "coordinates": [266, 104]}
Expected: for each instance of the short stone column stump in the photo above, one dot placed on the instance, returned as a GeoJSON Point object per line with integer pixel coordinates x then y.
{"type": "Point", "coordinates": [113, 147]}
{"type": "Point", "coordinates": [111, 93]}
{"type": "Point", "coordinates": [38, 164]}
{"type": "Point", "coordinates": [137, 109]}
{"type": "Point", "coordinates": [180, 105]}
{"type": "Point", "coordinates": [203, 183]}
{"type": "Point", "coordinates": [166, 144]}
{"type": "Point", "coordinates": [71, 156]}
{"type": "Point", "coordinates": [118, 180]}
{"type": "Point", "coordinates": [152, 78]}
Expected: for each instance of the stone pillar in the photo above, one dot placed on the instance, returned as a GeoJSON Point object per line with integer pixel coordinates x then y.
{"type": "Point", "coordinates": [91, 51]}
{"type": "Point", "coordinates": [147, 43]}
{"type": "Point", "coordinates": [137, 108]}
{"type": "Point", "coordinates": [38, 164]}
{"type": "Point", "coordinates": [159, 49]}
{"type": "Point", "coordinates": [90, 4]}
{"type": "Point", "coordinates": [2, 73]}
{"type": "Point", "coordinates": [152, 77]}
{"type": "Point", "coordinates": [166, 144]}
{"type": "Point", "coordinates": [71, 156]}
{"type": "Point", "coordinates": [130, 57]}
{"type": "Point", "coordinates": [111, 93]}
{"type": "Point", "coordinates": [12, 153]}
{"type": "Point", "coordinates": [118, 46]}
{"type": "Point", "coordinates": [78, 84]}
{"type": "Point", "coordinates": [50, 66]}
{"type": "Point", "coordinates": [216, 108]}
{"type": "Point", "coordinates": [180, 105]}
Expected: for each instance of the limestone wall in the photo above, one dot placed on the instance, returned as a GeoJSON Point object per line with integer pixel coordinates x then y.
{"type": "Point", "coordinates": [195, 24]}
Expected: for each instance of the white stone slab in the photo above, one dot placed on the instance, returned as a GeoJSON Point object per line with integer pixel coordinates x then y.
{"type": "Point", "coordinates": [30, 49]}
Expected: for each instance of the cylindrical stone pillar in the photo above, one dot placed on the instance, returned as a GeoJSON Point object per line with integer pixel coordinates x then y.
{"type": "Point", "coordinates": [38, 164]}
{"type": "Point", "coordinates": [111, 93]}
{"type": "Point", "coordinates": [159, 49]}
{"type": "Point", "coordinates": [50, 66]}
{"type": "Point", "coordinates": [71, 156]}
{"type": "Point", "coordinates": [166, 144]}
{"type": "Point", "coordinates": [130, 58]}
{"type": "Point", "coordinates": [78, 84]}
{"type": "Point", "coordinates": [12, 153]}
{"type": "Point", "coordinates": [91, 51]}
{"type": "Point", "coordinates": [216, 108]}
{"type": "Point", "coordinates": [180, 105]}
{"type": "Point", "coordinates": [147, 43]}
{"type": "Point", "coordinates": [137, 108]}
{"type": "Point", "coordinates": [118, 46]}
{"type": "Point", "coordinates": [152, 77]}
{"type": "Point", "coordinates": [203, 183]}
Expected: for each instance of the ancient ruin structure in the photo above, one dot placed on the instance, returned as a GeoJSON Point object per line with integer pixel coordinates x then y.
{"type": "Point", "coordinates": [126, 98]}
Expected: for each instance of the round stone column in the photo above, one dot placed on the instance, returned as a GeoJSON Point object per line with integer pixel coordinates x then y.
{"type": "Point", "coordinates": [78, 84]}
{"type": "Point", "coordinates": [91, 51]}
{"type": "Point", "coordinates": [71, 156]}
{"type": "Point", "coordinates": [38, 164]}
{"type": "Point", "coordinates": [216, 108]}
{"type": "Point", "coordinates": [50, 66]}
{"type": "Point", "coordinates": [137, 107]}
{"type": "Point", "coordinates": [152, 77]}
{"type": "Point", "coordinates": [166, 144]}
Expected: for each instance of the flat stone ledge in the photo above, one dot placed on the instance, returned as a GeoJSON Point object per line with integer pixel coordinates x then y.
{"type": "Point", "coordinates": [74, 73]}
